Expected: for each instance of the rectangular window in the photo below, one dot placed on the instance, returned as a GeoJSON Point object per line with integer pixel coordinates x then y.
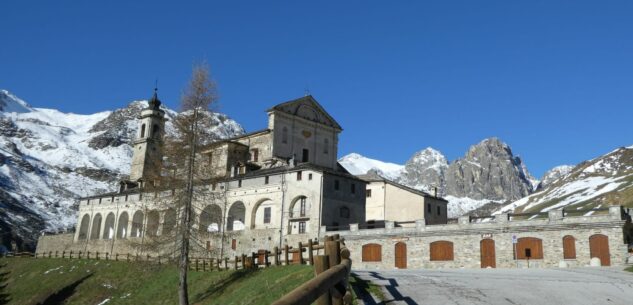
{"type": "Point", "coordinates": [302, 210]}
{"type": "Point", "coordinates": [266, 180]}
{"type": "Point", "coordinates": [353, 188]}
{"type": "Point", "coordinates": [438, 211]}
{"type": "Point", "coordinates": [213, 186]}
{"type": "Point", "coordinates": [368, 193]}
{"type": "Point", "coordinates": [309, 176]}
{"type": "Point", "coordinates": [210, 158]}
{"type": "Point", "coordinates": [302, 227]}
{"type": "Point", "coordinates": [234, 244]}
{"type": "Point", "coordinates": [428, 208]}
{"type": "Point", "coordinates": [254, 154]}
{"type": "Point", "coordinates": [336, 185]}
{"type": "Point", "coordinates": [239, 183]}
{"type": "Point", "coordinates": [267, 215]}
{"type": "Point", "coordinates": [306, 155]}
{"type": "Point", "coordinates": [208, 245]}
{"type": "Point", "coordinates": [299, 176]}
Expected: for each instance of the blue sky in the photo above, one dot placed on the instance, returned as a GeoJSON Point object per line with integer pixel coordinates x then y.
{"type": "Point", "coordinates": [554, 79]}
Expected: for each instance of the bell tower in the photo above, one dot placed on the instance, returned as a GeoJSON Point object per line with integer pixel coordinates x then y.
{"type": "Point", "coordinates": [147, 158]}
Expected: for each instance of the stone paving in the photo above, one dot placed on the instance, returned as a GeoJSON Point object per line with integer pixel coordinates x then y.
{"type": "Point", "coordinates": [577, 286]}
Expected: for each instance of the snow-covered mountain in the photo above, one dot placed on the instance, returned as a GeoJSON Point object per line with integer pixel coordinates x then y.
{"type": "Point", "coordinates": [488, 173]}
{"type": "Point", "coordinates": [48, 159]}
{"type": "Point", "coordinates": [606, 180]}
{"type": "Point", "coordinates": [554, 174]}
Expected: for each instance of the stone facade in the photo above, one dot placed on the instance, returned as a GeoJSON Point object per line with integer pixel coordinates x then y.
{"type": "Point", "coordinates": [466, 238]}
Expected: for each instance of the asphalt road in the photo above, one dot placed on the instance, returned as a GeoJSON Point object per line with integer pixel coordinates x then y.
{"type": "Point", "coordinates": [591, 286]}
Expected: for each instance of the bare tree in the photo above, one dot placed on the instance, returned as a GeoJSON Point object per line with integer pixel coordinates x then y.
{"type": "Point", "coordinates": [200, 95]}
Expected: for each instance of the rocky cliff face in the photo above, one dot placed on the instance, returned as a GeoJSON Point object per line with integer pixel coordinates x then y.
{"type": "Point", "coordinates": [426, 170]}
{"type": "Point", "coordinates": [48, 159]}
{"type": "Point", "coordinates": [489, 170]}
{"type": "Point", "coordinates": [554, 174]}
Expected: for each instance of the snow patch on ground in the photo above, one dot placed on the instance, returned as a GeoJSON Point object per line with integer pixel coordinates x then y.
{"type": "Point", "coordinates": [458, 206]}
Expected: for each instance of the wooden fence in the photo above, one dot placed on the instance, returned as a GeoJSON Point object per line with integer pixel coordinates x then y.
{"type": "Point", "coordinates": [330, 286]}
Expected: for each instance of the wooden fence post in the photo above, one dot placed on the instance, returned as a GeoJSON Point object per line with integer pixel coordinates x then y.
{"type": "Point", "coordinates": [50, 253]}
{"type": "Point", "coordinates": [266, 253]}
{"type": "Point", "coordinates": [226, 263]}
{"type": "Point", "coordinates": [128, 257]}
{"type": "Point", "coordinates": [217, 262]}
{"type": "Point", "coordinates": [63, 254]}
{"type": "Point", "coordinates": [236, 262]}
{"type": "Point", "coordinates": [300, 253]}
{"type": "Point", "coordinates": [97, 255]}
{"type": "Point", "coordinates": [204, 265]}
{"type": "Point", "coordinates": [310, 255]}
{"type": "Point", "coordinates": [286, 249]}
{"type": "Point", "coordinates": [243, 261]}
{"type": "Point", "coordinates": [87, 254]}
{"type": "Point", "coordinates": [322, 263]}
{"type": "Point", "coordinates": [71, 254]}
{"type": "Point", "coordinates": [116, 257]}
{"type": "Point", "coordinates": [56, 253]}
{"type": "Point", "coordinates": [333, 251]}
{"type": "Point", "coordinates": [253, 257]}
{"type": "Point", "coordinates": [107, 255]}
{"type": "Point", "coordinates": [276, 258]}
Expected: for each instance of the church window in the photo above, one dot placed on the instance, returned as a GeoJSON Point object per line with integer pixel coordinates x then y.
{"type": "Point", "coordinates": [305, 156]}
{"type": "Point", "coordinates": [336, 185]}
{"type": "Point", "coordinates": [142, 130]}
{"type": "Point", "coordinates": [368, 194]}
{"type": "Point", "coordinates": [326, 146]}
{"type": "Point", "coordinates": [302, 227]}
{"type": "Point", "coordinates": [267, 214]}
{"type": "Point", "coordinates": [284, 135]}
{"type": "Point", "coordinates": [344, 212]}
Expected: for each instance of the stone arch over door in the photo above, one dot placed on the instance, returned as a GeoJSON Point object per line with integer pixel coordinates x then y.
{"type": "Point", "coordinates": [300, 207]}
{"type": "Point", "coordinates": [236, 217]}
{"type": "Point", "coordinates": [153, 219]}
{"type": "Point", "coordinates": [401, 255]}
{"type": "Point", "coordinates": [83, 227]}
{"type": "Point", "coordinates": [263, 214]}
{"type": "Point", "coordinates": [488, 255]}
{"type": "Point", "coordinates": [599, 247]}
{"type": "Point", "coordinates": [210, 219]}
{"type": "Point", "coordinates": [96, 227]}
{"type": "Point", "coordinates": [108, 230]}
{"type": "Point", "coordinates": [137, 224]}
{"type": "Point", "coordinates": [170, 221]}
{"type": "Point", "coordinates": [121, 230]}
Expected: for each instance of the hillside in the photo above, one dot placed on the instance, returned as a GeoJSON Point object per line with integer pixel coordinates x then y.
{"type": "Point", "coordinates": [600, 182]}
{"type": "Point", "coordinates": [48, 159]}
{"type": "Point", "coordinates": [107, 282]}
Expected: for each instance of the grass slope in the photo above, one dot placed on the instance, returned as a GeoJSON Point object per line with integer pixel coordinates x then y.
{"type": "Point", "coordinates": [33, 281]}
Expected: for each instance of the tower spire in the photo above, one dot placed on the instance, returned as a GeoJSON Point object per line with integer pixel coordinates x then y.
{"type": "Point", "coordinates": [154, 102]}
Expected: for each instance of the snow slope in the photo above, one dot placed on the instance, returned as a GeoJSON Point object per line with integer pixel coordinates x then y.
{"type": "Point", "coordinates": [357, 164]}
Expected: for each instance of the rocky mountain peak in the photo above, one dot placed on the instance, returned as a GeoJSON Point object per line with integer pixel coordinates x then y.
{"type": "Point", "coordinates": [425, 169]}
{"type": "Point", "coordinates": [11, 103]}
{"type": "Point", "coordinates": [489, 170]}
{"type": "Point", "coordinates": [554, 174]}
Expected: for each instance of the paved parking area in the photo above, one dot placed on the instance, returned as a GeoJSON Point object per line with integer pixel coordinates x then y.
{"type": "Point", "coordinates": [591, 286]}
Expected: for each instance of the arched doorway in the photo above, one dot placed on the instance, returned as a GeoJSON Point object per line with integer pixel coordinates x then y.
{"type": "Point", "coordinates": [96, 227]}
{"type": "Point", "coordinates": [83, 228]}
{"type": "Point", "coordinates": [153, 219]}
{"type": "Point", "coordinates": [599, 247]}
{"type": "Point", "coordinates": [401, 255]}
{"type": "Point", "coordinates": [488, 257]}
{"type": "Point", "coordinates": [210, 219]}
{"type": "Point", "coordinates": [108, 231]}
{"type": "Point", "coordinates": [237, 213]}
{"type": "Point", "coordinates": [170, 221]}
{"type": "Point", "coordinates": [121, 230]}
{"type": "Point", "coordinates": [137, 224]}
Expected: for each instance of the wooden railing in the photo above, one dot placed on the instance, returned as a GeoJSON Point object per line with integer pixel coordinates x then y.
{"type": "Point", "coordinates": [330, 284]}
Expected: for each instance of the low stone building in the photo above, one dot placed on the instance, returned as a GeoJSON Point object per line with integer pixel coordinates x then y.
{"type": "Point", "coordinates": [550, 242]}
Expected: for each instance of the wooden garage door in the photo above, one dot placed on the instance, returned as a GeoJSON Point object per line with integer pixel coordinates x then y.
{"type": "Point", "coordinates": [372, 253]}
{"type": "Point", "coordinates": [488, 257]}
{"type": "Point", "coordinates": [569, 247]}
{"type": "Point", "coordinates": [401, 255]}
{"type": "Point", "coordinates": [531, 245]}
{"type": "Point", "coordinates": [441, 250]}
{"type": "Point", "coordinates": [599, 247]}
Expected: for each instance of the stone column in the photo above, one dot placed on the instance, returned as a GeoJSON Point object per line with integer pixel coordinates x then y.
{"type": "Point", "coordinates": [420, 224]}
{"type": "Point", "coordinates": [463, 220]}
{"type": "Point", "coordinates": [615, 212]}
{"type": "Point", "coordinates": [103, 224]}
{"type": "Point", "coordinates": [502, 218]}
{"type": "Point", "coordinates": [389, 224]}
{"type": "Point", "coordinates": [353, 227]}
{"type": "Point", "coordinates": [161, 222]}
{"type": "Point", "coordinates": [323, 229]}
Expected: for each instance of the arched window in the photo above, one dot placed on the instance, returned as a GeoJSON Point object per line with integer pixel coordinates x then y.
{"type": "Point", "coordinates": [121, 231]}
{"type": "Point", "coordinates": [262, 215]}
{"type": "Point", "coordinates": [529, 247]}
{"type": "Point", "coordinates": [210, 219]}
{"type": "Point", "coordinates": [326, 146]}
{"type": "Point", "coordinates": [284, 135]}
{"type": "Point", "coordinates": [142, 130]}
{"type": "Point", "coordinates": [372, 253]}
{"type": "Point", "coordinates": [96, 227]}
{"type": "Point", "coordinates": [569, 247]}
{"type": "Point", "coordinates": [153, 219]}
{"type": "Point", "coordinates": [155, 131]}
{"type": "Point", "coordinates": [441, 250]}
{"type": "Point", "coordinates": [299, 207]}
{"type": "Point", "coordinates": [108, 231]}
{"type": "Point", "coordinates": [170, 221]}
{"type": "Point", "coordinates": [237, 213]}
{"type": "Point", "coordinates": [137, 224]}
